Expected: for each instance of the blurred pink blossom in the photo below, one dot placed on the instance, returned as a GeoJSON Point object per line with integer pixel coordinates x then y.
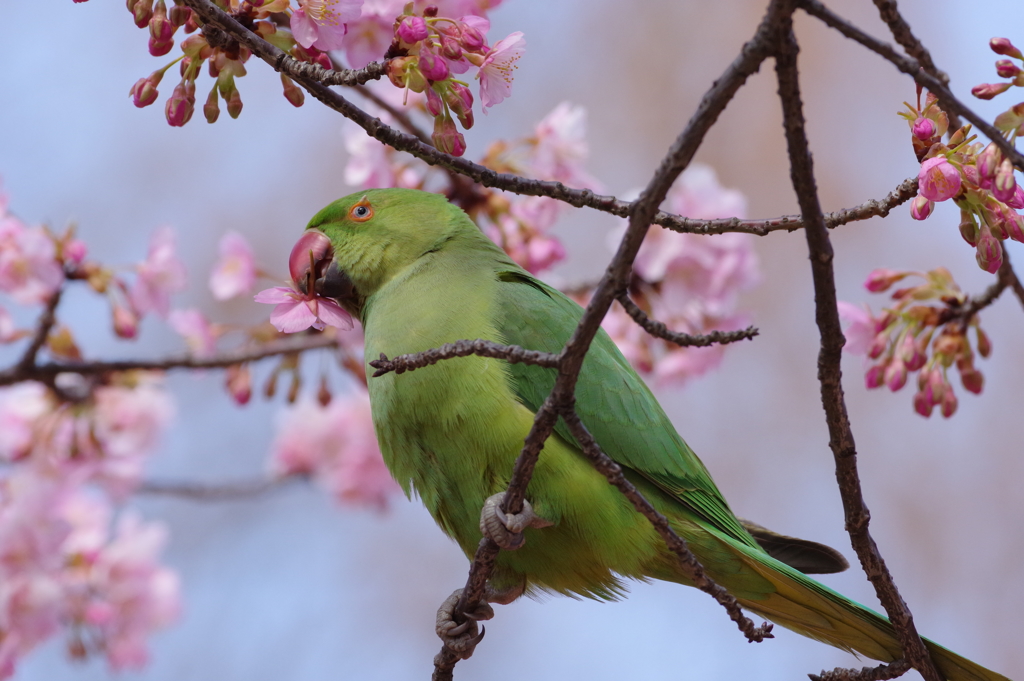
{"type": "Point", "coordinates": [496, 72]}
{"type": "Point", "coordinates": [860, 332]}
{"type": "Point", "coordinates": [337, 445]}
{"type": "Point", "coordinates": [160, 275]}
{"type": "Point", "coordinates": [561, 148]}
{"type": "Point", "coordinates": [196, 329]}
{"type": "Point", "coordinates": [8, 332]}
{"type": "Point", "coordinates": [29, 270]}
{"type": "Point", "coordinates": [322, 23]}
{"type": "Point", "coordinates": [21, 406]}
{"type": "Point", "coordinates": [235, 271]}
{"type": "Point", "coordinates": [371, 33]}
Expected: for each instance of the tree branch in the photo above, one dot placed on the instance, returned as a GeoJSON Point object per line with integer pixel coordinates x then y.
{"type": "Point", "coordinates": [463, 348]}
{"type": "Point", "coordinates": [659, 330]}
{"type": "Point", "coordinates": [949, 102]}
{"type": "Point", "coordinates": [213, 492]}
{"type": "Point", "coordinates": [829, 372]}
{"type": "Point", "coordinates": [44, 372]}
{"type": "Point", "coordinates": [880, 673]}
{"type": "Point", "coordinates": [43, 327]}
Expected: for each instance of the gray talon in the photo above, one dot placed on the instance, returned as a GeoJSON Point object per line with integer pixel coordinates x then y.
{"type": "Point", "coordinates": [506, 529]}
{"type": "Point", "coordinates": [462, 638]}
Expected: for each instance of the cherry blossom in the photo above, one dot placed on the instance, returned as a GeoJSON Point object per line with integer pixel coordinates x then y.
{"type": "Point", "coordinates": [496, 72]}
{"type": "Point", "coordinates": [322, 23]}
{"type": "Point", "coordinates": [337, 445]}
{"type": "Point", "coordinates": [29, 270]}
{"type": "Point", "coordinates": [938, 179]}
{"type": "Point", "coordinates": [160, 275]}
{"type": "Point", "coordinates": [235, 271]}
{"type": "Point", "coordinates": [196, 329]}
{"type": "Point", "coordinates": [297, 311]}
{"type": "Point", "coordinates": [861, 330]}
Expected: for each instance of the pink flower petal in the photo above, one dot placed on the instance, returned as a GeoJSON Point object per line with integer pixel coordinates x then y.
{"type": "Point", "coordinates": [303, 28]}
{"type": "Point", "coordinates": [292, 316]}
{"type": "Point", "coordinates": [332, 314]}
{"type": "Point", "coordinates": [276, 295]}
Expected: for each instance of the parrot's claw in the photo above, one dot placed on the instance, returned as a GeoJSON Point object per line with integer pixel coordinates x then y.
{"type": "Point", "coordinates": [461, 639]}
{"type": "Point", "coordinates": [506, 529]}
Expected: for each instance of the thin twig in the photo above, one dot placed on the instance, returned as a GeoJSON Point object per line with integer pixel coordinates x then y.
{"type": "Point", "coordinates": [692, 567]}
{"type": "Point", "coordinates": [43, 327]}
{"type": "Point", "coordinates": [658, 329]}
{"type": "Point", "coordinates": [829, 373]}
{"type": "Point", "coordinates": [220, 491]}
{"type": "Point", "coordinates": [463, 348]}
{"type": "Point", "coordinates": [43, 372]}
{"type": "Point", "coordinates": [911, 67]}
{"type": "Point", "coordinates": [882, 672]}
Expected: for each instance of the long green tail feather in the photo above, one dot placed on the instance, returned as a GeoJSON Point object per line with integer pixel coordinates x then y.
{"type": "Point", "coordinates": [803, 605]}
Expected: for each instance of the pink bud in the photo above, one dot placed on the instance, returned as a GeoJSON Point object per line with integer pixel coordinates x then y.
{"type": "Point", "coordinates": [938, 179]}
{"type": "Point", "coordinates": [238, 381]}
{"type": "Point", "coordinates": [987, 163]}
{"type": "Point", "coordinates": [990, 252]}
{"type": "Point", "coordinates": [211, 109]}
{"type": "Point", "coordinates": [1004, 46]}
{"type": "Point", "coordinates": [875, 377]}
{"type": "Point", "coordinates": [447, 138]}
{"type": "Point", "coordinates": [451, 49]}
{"type": "Point", "coordinates": [911, 353]}
{"type": "Point", "coordinates": [1006, 69]}
{"type": "Point", "coordinates": [949, 404]}
{"type": "Point", "coordinates": [179, 15]}
{"type": "Point", "coordinates": [923, 129]}
{"type": "Point", "coordinates": [434, 105]}
{"type": "Point", "coordinates": [292, 92]}
{"type": "Point", "coordinates": [74, 251]}
{"type": "Point", "coordinates": [989, 90]}
{"type": "Point", "coordinates": [126, 324]}
{"type": "Point", "coordinates": [234, 102]}
{"type": "Point", "coordinates": [881, 279]}
{"type": "Point", "coordinates": [144, 91]}
{"type": "Point", "coordinates": [472, 39]}
{"type": "Point", "coordinates": [460, 100]}
{"type": "Point", "coordinates": [1005, 184]}
{"type": "Point", "coordinates": [968, 228]}
{"type": "Point", "coordinates": [160, 29]}
{"type": "Point", "coordinates": [1017, 200]}
{"type": "Point", "coordinates": [143, 11]}
{"type": "Point", "coordinates": [179, 106]}
{"type": "Point", "coordinates": [896, 374]}
{"type": "Point", "coordinates": [412, 29]}
{"type": "Point", "coordinates": [432, 67]}
{"type": "Point", "coordinates": [921, 208]}
{"type": "Point", "coordinates": [922, 405]}
{"type": "Point", "coordinates": [984, 343]}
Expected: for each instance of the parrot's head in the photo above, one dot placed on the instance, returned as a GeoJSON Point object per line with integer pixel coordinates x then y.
{"type": "Point", "coordinates": [355, 245]}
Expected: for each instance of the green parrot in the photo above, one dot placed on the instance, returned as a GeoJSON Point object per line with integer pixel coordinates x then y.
{"type": "Point", "coordinates": [418, 273]}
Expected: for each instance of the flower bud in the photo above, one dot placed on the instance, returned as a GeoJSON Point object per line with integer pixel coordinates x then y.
{"type": "Point", "coordinates": [471, 39]}
{"type": "Point", "coordinates": [238, 381]}
{"type": "Point", "coordinates": [896, 374]}
{"type": "Point", "coordinates": [292, 92]}
{"type": "Point", "coordinates": [460, 100]}
{"type": "Point", "coordinates": [968, 228]}
{"type": "Point", "coordinates": [984, 343]}
{"type": "Point", "coordinates": [923, 129]}
{"type": "Point", "coordinates": [922, 405]}
{"type": "Point", "coordinates": [1017, 200]}
{"type": "Point", "coordinates": [1004, 184]}
{"type": "Point", "coordinates": [990, 252]}
{"type": "Point", "coordinates": [412, 29]}
{"type": "Point", "coordinates": [143, 11]}
{"type": "Point", "coordinates": [921, 208]}
{"type": "Point", "coordinates": [451, 49]}
{"type": "Point", "coordinates": [211, 109]}
{"type": "Point", "coordinates": [875, 377]}
{"type": "Point", "coordinates": [447, 138]}
{"type": "Point", "coordinates": [881, 279]}
{"type": "Point", "coordinates": [1014, 225]}
{"type": "Point", "coordinates": [987, 163]}
{"type": "Point", "coordinates": [126, 323]}
{"type": "Point", "coordinates": [972, 380]}
{"type": "Point", "coordinates": [434, 105]}
{"type": "Point", "coordinates": [430, 11]}
{"type": "Point", "coordinates": [1007, 69]}
{"type": "Point", "coordinates": [179, 107]}
{"type": "Point", "coordinates": [179, 15]}
{"type": "Point", "coordinates": [323, 395]}
{"type": "Point", "coordinates": [949, 404]}
{"type": "Point", "coordinates": [234, 103]}
{"type": "Point", "coordinates": [144, 91]}
{"type": "Point", "coordinates": [911, 353]}
{"type": "Point", "coordinates": [989, 90]}
{"type": "Point", "coordinates": [878, 345]}
{"type": "Point", "coordinates": [1005, 47]}
{"type": "Point", "coordinates": [432, 66]}
{"type": "Point", "coordinates": [159, 49]}
{"type": "Point", "coordinates": [160, 29]}
{"type": "Point", "coordinates": [938, 179]}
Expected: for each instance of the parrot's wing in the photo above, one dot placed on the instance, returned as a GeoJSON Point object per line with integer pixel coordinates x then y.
{"type": "Point", "coordinates": [611, 399]}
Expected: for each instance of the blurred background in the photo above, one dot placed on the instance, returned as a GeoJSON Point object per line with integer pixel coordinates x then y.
{"type": "Point", "coordinates": [290, 585]}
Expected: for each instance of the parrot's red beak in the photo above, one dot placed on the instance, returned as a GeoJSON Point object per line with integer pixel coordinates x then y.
{"type": "Point", "coordinates": [312, 269]}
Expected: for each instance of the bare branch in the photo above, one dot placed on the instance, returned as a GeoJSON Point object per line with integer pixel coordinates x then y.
{"type": "Point", "coordinates": [43, 327]}
{"type": "Point", "coordinates": [949, 102]}
{"type": "Point", "coordinates": [659, 330]}
{"type": "Point", "coordinates": [222, 491]}
{"type": "Point", "coordinates": [882, 672]}
{"type": "Point", "coordinates": [689, 562]}
{"type": "Point", "coordinates": [829, 372]}
{"type": "Point", "coordinates": [463, 348]}
{"type": "Point", "coordinates": [44, 372]}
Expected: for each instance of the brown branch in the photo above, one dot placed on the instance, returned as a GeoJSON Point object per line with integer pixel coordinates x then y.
{"type": "Point", "coordinates": [43, 327]}
{"type": "Point", "coordinates": [659, 330]}
{"type": "Point", "coordinates": [641, 214]}
{"type": "Point", "coordinates": [691, 566]}
{"type": "Point", "coordinates": [463, 348]}
{"type": "Point", "coordinates": [913, 68]}
{"type": "Point", "coordinates": [222, 491]}
{"type": "Point", "coordinates": [829, 373]}
{"type": "Point", "coordinates": [882, 672]}
{"type": "Point", "coordinates": [45, 372]}
{"type": "Point", "coordinates": [901, 32]}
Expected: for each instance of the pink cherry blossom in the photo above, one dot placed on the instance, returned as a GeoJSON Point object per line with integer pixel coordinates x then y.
{"type": "Point", "coordinates": [160, 275]}
{"type": "Point", "coordinates": [29, 270]}
{"type": "Point", "coordinates": [496, 72]}
{"type": "Point", "coordinates": [322, 23]}
{"type": "Point", "coordinates": [21, 407]}
{"type": "Point", "coordinates": [235, 271]}
{"type": "Point", "coordinates": [561, 149]}
{"type": "Point", "coordinates": [196, 329]}
{"type": "Point", "coordinates": [938, 179]}
{"type": "Point", "coordinates": [861, 330]}
{"type": "Point", "coordinates": [297, 312]}
{"type": "Point", "coordinates": [337, 445]}
{"type": "Point", "coordinates": [371, 33]}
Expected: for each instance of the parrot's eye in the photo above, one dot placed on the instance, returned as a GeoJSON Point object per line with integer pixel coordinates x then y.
{"type": "Point", "coordinates": [362, 211]}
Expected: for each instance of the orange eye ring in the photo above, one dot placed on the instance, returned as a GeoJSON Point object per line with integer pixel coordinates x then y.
{"type": "Point", "coordinates": [362, 211]}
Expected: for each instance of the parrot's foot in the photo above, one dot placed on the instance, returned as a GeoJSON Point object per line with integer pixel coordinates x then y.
{"type": "Point", "coordinates": [506, 529]}
{"type": "Point", "coordinates": [462, 638]}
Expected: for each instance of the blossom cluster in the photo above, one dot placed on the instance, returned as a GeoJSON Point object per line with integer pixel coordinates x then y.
{"type": "Point", "coordinates": [923, 331]}
{"type": "Point", "coordinates": [979, 179]}
{"type": "Point", "coordinates": [427, 48]}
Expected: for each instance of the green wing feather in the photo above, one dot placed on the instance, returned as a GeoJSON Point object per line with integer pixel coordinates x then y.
{"type": "Point", "coordinates": [611, 399]}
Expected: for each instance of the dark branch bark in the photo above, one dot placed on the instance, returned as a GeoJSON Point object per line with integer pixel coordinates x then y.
{"type": "Point", "coordinates": [829, 373]}
{"type": "Point", "coordinates": [880, 673]}
{"type": "Point", "coordinates": [43, 327]}
{"type": "Point", "coordinates": [462, 348]}
{"type": "Point", "coordinates": [659, 330]}
{"type": "Point", "coordinates": [911, 67]}
{"type": "Point", "coordinates": [222, 491]}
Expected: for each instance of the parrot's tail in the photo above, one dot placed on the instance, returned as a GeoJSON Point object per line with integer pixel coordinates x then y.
{"type": "Point", "coordinates": [812, 609]}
